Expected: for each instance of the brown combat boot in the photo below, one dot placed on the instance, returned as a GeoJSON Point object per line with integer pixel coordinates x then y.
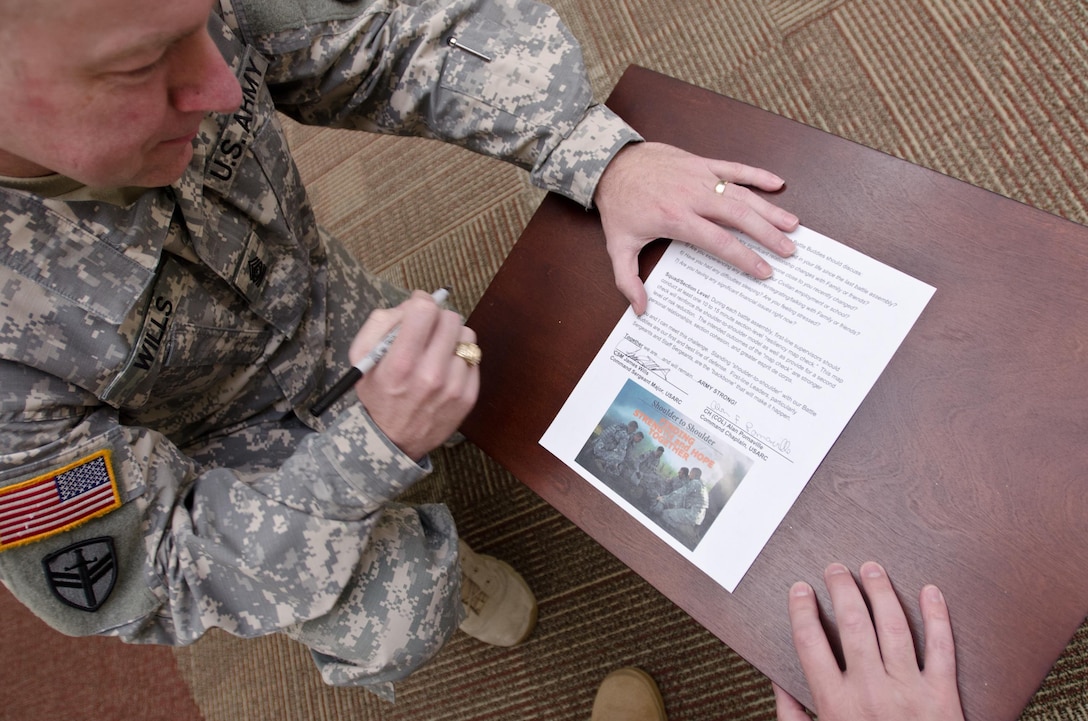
{"type": "Point", "coordinates": [628, 694]}
{"type": "Point", "coordinates": [499, 605]}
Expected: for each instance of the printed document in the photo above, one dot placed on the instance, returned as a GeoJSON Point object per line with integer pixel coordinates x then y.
{"type": "Point", "coordinates": [705, 417]}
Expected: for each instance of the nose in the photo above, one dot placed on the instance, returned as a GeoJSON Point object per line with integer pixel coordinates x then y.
{"type": "Point", "coordinates": [203, 82]}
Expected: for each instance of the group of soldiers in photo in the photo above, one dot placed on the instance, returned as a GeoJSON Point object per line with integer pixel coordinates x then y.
{"type": "Point", "coordinates": [675, 499]}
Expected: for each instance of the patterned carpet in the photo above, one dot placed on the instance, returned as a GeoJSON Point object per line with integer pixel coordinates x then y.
{"type": "Point", "coordinates": [988, 91]}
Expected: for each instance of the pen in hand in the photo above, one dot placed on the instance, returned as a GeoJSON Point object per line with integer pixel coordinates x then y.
{"type": "Point", "coordinates": [365, 365]}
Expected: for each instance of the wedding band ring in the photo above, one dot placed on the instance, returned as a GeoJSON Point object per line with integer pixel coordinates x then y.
{"type": "Point", "coordinates": [469, 352]}
{"type": "Point", "coordinates": [720, 187]}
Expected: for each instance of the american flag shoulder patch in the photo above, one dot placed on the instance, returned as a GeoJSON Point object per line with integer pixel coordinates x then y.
{"type": "Point", "coordinates": [58, 500]}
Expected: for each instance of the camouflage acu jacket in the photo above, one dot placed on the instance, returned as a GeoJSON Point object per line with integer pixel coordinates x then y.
{"type": "Point", "coordinates": [138, 344]}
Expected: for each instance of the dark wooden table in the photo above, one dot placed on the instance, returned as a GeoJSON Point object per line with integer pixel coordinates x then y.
{"type": "Point", "coordinates": [965, 466]}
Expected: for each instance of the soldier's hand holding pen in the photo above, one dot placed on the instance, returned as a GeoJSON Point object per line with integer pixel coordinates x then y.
{"type": "Point", "coordinates": [422, 389]}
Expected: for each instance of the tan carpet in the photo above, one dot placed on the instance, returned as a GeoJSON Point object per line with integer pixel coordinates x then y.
{"type": "Point", "coordinates": [990, 92]}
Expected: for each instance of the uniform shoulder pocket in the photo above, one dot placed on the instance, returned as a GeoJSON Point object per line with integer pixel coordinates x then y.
{"type": "Point", "coordinates": [71, 539]}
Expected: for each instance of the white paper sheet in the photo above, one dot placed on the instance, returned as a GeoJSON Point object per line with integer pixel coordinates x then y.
{"type": "Point", "coordinates": [749, 381]}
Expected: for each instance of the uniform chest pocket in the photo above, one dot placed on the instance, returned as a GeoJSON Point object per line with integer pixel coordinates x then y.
{"type": "Point", "coordinates": [193, 334]}
{"type": "Point", "coordinates": [197, 359]}
{"type": "Point", "coordinates": [198, 348]}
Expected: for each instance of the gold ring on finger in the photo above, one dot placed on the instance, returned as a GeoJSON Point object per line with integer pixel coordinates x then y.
{"type": "Point", "coordinates": [469, 352]}
{"type": "Point", "coordinates": [720, 187]}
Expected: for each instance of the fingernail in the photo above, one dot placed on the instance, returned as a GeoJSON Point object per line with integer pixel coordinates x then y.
{"type": "Point", "coordinates": [836, 569]}
{"type": "Point", "coordinates": [763, 270]}
{"type": "Point", "coordinates": [800, 589]}
{"type": "Point", "coordinates": [872, 570]}
{"type": "Point", "coordinates": [934, 594]}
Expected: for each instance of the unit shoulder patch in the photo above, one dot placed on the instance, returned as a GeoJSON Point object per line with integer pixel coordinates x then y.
{"type": "Point", "coordinates": [82, 575]}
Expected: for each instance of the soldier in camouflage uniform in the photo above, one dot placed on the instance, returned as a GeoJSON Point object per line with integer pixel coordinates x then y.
{"type": "Point", "coordinates": [647, 471]}
{"type": "Point", "coordinates": [610, 448]}
{"type": "Point", "coordinates": [667, 485]}
{"type": "Point", "coordinates": [685, 507]}
{"type": "Point", "coordinates": [171, 308]}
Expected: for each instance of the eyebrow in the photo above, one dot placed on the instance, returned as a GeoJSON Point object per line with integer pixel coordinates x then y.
{"type": "Point", "coordinates": [148, 44]}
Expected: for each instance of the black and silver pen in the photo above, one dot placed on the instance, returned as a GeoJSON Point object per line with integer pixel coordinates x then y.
{"type": "Point", "coordinates": [365, 365]}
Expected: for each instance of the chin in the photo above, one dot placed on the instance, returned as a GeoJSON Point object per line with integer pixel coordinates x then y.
{"type": "Point", "coordinates": [164, 171]}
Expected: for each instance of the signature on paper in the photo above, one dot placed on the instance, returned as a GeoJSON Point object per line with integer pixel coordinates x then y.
{"type": "Point", "coordinates": [782, 445]}
{"type": "Point", "coordinates": [635, 352]}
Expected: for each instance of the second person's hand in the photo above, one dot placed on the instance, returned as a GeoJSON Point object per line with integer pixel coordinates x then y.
{"type": "Point", "coordinates": [882, 680]}
{"type": "Point", "coordinates": [653, 190]}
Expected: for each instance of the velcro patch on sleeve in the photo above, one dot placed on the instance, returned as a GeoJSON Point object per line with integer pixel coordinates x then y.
{"type": "Point", "coordinates": [58, 500]}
